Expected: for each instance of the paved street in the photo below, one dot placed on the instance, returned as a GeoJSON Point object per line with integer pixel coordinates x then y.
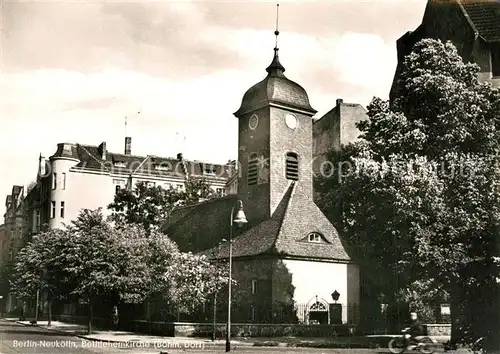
{"type": "Point", "coordinates": [16, 338]}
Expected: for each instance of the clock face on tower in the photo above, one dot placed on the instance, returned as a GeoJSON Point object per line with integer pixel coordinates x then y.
{"type": "Point", "coordinates": [253, 122]}
{"type": "Point", "coordinates": [291, 121]}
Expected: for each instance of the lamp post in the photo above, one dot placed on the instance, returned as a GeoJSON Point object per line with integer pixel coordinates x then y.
{"type": "Point", "coordinates": [239, 219]}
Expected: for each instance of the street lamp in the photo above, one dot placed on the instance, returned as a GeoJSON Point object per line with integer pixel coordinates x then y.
{"type": "Point", "coordinates": [239, 219]}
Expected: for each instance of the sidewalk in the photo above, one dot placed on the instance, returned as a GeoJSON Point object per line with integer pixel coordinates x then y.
{"type": "Point", "coordinates": [190, 342]}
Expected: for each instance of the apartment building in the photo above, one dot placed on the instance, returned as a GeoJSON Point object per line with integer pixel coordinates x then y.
{"type": "Point", "coordinates": [79, 176]}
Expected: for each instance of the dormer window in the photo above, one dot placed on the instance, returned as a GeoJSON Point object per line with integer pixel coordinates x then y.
{"type": "Point", "coordinates": [495, 60]}
{"type": "Point", "coordinates": [315, 237]}
{"type": "Point", "coordinates": [119, 164]}
{"type": "Point", "coordinates": [162, 167]}
{"type": "Point", "coordinates": [209, 170]}
{"type": "Point", "coordinates": [292, 166]}
{"type": "Point", "coordinates": [252, 169]}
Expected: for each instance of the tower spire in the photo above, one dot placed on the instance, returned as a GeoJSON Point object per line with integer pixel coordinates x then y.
{"type": "Point", "coordinates": [276, 69]}
{"type": "Point", "coordinates": [277, 32]}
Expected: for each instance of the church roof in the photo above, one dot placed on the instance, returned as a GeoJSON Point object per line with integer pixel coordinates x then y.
{"type": "Point", "coordinates": [275, 88]}
{"type": "Point", "coordinates": [286, 232]}
{"type": "Point", "coordinates": [484, 16]}
{"type": "Point", "coordinates": [201, 226]}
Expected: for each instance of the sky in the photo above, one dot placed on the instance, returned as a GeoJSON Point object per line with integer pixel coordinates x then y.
{"type": "Point", "coordinates": [71, 71]}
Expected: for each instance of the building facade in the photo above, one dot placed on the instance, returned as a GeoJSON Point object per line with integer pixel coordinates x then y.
{"type": "Point", "coordinates": [81, 176]}
{"type": "Point", "coordinates": [473, 26]}
{"type": "Point", "coordinates": [333, 130]}
{"type": "Point", "coordinates": [13, 234]}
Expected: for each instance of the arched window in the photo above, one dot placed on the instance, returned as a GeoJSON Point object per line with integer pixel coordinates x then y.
{"type": "Point", "coordinates": [318, 306]}
{"type": "Point", "coordinates": [252, 169]}
{"type": "Point", "coordinates": [292, 166]}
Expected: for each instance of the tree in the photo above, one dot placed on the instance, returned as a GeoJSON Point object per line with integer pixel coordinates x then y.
{"type": "Point", "coordinates": [40, 266]}
{"type": "Point", "coordinates": [418, 198]}
{"type": "Point", "coordinates": [105, 261]}
{"type": "Point", "coordinates": [128, 264]}
{"type": "Point", "coordinates": [192, 280]}
{"type": "Point", "coordinates": [183, 280]}
{"type": "Point", "coordinates": [150, 206]}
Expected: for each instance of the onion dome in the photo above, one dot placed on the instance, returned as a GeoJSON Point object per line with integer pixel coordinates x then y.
{"type": "Point", "coordinates": [277, 89]}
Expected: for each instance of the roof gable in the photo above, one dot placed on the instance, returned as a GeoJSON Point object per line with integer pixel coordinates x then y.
{"type": "Point", "coordinates": [286, 231]}
{"type": "Point", "coordinates": [484, 17]}
{"type": "Point", "coordinates": [301, 219]}
{"type": "Point", "coordinates": [260, 239]}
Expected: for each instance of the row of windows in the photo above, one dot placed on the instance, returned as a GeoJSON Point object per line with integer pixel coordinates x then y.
{"type": "Point", "coordinates": [53, 209]}
{"type": "Point", "coordinates": [291, 167]}
{"type": "Point", "coordinates": [208, 170]}
{"type": "Point", "coordinates": [62, 181]}
{"type": "Point", "coordinates": [120, 183]}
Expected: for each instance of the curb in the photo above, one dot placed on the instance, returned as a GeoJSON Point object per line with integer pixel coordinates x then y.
{"type": "Point", "coordinates": [208, 343]}
{"type": "Point", "coordinates": [83, 336]}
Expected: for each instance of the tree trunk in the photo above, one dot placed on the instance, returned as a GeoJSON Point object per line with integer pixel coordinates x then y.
{"type": "Point", "coordinates": [49, 308]}
{"type": "Point", "coordinates": [456, 315]}
{"type": "Point", "coordinates": [89, 327]}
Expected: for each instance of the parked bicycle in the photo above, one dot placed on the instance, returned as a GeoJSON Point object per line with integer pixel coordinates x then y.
{"type": "Point", "coordinates": [423, 344]}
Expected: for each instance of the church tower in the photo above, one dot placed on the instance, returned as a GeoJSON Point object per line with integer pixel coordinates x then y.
{"type": "Point", "coordinates": [275, 142]}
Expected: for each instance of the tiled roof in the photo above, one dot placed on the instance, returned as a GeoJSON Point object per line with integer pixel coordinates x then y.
{"type": "Point", "coordinates": [201, 226]}
{"type": "Point", "coordinates": [485, 18]}
{"type": "Point", "coordinates": [285, 233]}
{"type": "Point", "coordinates": [89, 158]}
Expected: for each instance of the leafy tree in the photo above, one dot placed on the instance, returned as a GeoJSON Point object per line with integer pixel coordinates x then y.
{"type": "Point", "coordinates": [105, 261]}
{"type": "Point", "coordinates": [183, 280]}
{"type": "Point", "coordinates": [196, 190]}
{"type": "Point", "coordinates": [126, 263]}
{"type": "Point", "coordinates": [150, 206]}
{"type": "Point", "coordinates": [192, 280]}
{"type": "Point", "coordinates": [40, 266]}
{"type": "Point", "coordinates": [418, 197]}
{"type": "Point", "coordinates": [92, 259]}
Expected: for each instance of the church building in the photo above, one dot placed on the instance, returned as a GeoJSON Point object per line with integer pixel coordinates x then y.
{"type": "Point", "coordinates": [288, 259]}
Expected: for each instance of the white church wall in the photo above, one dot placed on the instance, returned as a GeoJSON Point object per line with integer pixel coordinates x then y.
{"type": "Point", "coordinates": [321, 279]}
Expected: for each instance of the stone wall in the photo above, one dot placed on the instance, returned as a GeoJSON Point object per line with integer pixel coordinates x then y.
{"type": "Point", "coordinates": [261, 330]}
{"type": "Point", "coordinates": [438, 329]}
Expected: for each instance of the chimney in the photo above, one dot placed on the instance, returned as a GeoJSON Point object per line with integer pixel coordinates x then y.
{"type": "Point", "coordinates": [128, 145]}
{"type": "Point", "coordinates": [179, 156]}
{"type": "Point", "coordinates": [339, 101]}
{"type": "Point", "coordinates": [42, 166]}
{"type": "Point", "coordinates": [101, 149]}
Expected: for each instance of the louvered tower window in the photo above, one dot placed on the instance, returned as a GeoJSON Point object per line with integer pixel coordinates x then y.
{"type": "Point", "coordinates": [252, 169]}
{"type": "Point", "coordinates": [292, 166]}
